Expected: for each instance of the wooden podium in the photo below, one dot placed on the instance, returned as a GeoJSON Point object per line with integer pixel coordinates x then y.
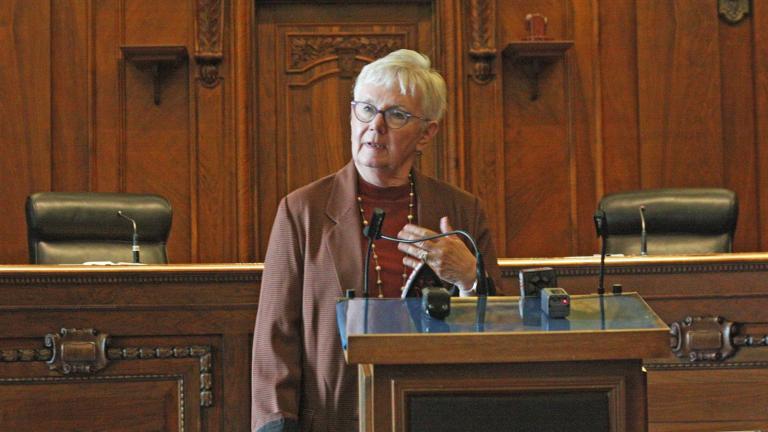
{"type": "Point", "coordinates": [502, 364]}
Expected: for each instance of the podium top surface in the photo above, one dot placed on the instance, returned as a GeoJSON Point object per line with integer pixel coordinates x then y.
{"type": "Point", "coordinates": [395, 331]}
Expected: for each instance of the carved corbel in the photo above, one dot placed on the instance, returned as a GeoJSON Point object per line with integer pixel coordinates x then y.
{"type": "Point", "coordinates": [733, 11]}
{"type": "Point", "coordinates": [77, 351]}
{"type": "Point", "coordinates": [709, 338]}
{"type": "Point", "coordinates": [208, 41]}
{"type": "Point", "coordinates": [482, 51]}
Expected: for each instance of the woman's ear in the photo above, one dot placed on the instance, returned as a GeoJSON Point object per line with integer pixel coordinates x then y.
{"type": "Point", "coordinates": [428, 134]}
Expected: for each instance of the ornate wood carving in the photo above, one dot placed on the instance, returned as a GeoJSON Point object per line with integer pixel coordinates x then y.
{"type": "Point", "coordinates": [482, 51]}
{"type": "Point", "coordinates": [86, 351]}
{"type": "Point", "coordinates": [307, 50]}
{"type": "Point", "coordinates": [733, 11]}
{"type": "Point", "coordinates": [208, 44]}
{"type": "Point", "coordinates": [709, 338]}
{"type": "Point", "coordinates": [77, 351]}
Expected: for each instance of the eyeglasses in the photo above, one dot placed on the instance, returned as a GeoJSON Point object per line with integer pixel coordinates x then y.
{"type": "Point", "coordinates": [394, 117]}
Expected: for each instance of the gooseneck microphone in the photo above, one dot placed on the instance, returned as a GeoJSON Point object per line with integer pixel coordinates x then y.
{"type": "Point", "coordinates": [643, 233]}
{"type": "Point", "coordinates": [135, 239]}
{"type": "Point", "coordinates": [372, 231]}
{"type": "Point", "coordinates": [601, 227]}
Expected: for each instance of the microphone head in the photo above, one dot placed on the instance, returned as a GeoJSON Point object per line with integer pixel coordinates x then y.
{"type": "Point", "coordinates": [601, 223]}
{"type": "Point", "coordinates": [373, 229]}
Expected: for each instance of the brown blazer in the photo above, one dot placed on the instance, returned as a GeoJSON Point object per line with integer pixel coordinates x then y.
{"type": "Point", "coordinates": [314, 255]}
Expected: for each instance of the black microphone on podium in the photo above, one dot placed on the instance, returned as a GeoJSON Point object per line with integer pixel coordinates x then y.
{"type": "Point", "coordinates": [135, 239]}
{"type": "Point", "coordinates": [372, 231]}
{"type": "Point", "coordinates": [601, 227]}
{"type": "Point", "coordinates": [643, 233]}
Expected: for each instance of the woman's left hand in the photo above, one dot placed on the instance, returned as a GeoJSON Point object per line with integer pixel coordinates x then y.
{"type": "Point", "coordinates": [448, 256]}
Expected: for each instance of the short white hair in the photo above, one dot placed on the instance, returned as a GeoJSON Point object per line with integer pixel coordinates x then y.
{"type": "Point", "coordinates": [410, 72]}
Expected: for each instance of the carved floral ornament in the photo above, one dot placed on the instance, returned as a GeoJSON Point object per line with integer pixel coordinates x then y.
{"type": "Point", "coordinates": [308, 50]}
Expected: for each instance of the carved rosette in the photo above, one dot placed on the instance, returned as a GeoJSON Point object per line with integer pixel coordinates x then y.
{"type": "Point", "coordinates": [307, 50]}
{"type": "Point", "coordinates": [482, 49]}
{"type": "Point", "coordinates": [733, 11]}
{"type": "Point", "coordinates": [208, 44]}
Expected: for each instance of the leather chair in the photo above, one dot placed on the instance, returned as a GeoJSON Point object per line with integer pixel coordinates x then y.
{"type": "Point", "coordinates": [678, 221]}
{"type": "Point", "coordinates": [76, 227]}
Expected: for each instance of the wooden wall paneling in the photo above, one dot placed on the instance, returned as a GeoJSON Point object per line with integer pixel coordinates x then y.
{"type": "Point", "coordinates": [215, 175]}
{"type": "Point", "coordinates": [243, 121]}
{"type": "Point", "coordinates": [760, 69]}
{"type": "Point", "coordinates": [158, 154]}
{"type": "Point", "coordinates": [738, 126]}
{"type": "Point", "coordinates": [539, 158]}
{"type": "Point", "coordinates": [618, 167]}
{"type": "Point", "coordinates": [25, 109]}
{"type": "Point", "coordinates": [679, 103]}
{"type": "Point", "coordinates": [71, 104]}
{"type": "Point", "coordinates": [584, 104]}
{"type": "Point", "coordinates": [448, 35]}
{"type": "Point", "coordinates": [267, 174]}
{"type": "Point", "coordinates": [484, 148]}
{"type": "Point", "coordinates": [308, 56]}
{"type": "Point", "coordinates": [108, 106]}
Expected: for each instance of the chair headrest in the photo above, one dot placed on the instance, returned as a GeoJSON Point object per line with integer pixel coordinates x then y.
{"type": "Point", "coordinates": [686, 210]}
{"type": "Point", "coordinates": [93, 216]}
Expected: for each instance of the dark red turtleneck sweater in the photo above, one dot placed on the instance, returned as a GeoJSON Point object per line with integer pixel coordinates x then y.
{"type": "Point", "coordinates": [394, 201]}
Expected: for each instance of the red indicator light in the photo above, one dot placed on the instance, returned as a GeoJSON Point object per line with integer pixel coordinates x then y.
{"type": "Point", "coordinates": [565, 301]}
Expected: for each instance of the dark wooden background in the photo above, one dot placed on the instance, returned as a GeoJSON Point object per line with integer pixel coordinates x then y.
{"type": "Point", "coordinates": [653, 93]}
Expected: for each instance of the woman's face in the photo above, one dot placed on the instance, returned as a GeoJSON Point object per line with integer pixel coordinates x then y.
{"type": "Point", "coordinates": [382, 155]}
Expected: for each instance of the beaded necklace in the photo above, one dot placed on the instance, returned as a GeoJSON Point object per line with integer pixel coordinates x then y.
{"type": "Point", "coordinates": [377, 267]}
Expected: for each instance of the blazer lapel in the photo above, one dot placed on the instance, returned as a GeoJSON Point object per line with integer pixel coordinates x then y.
{"type": "Point", "coordinates": [427, 216]}
{"type": "Point", "coordinates": [343, 238]}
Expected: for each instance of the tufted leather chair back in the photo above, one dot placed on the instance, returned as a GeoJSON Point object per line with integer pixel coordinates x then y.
{"type": "Point", "coordinates": [76, 227]}
{"type": "Point", "coordinates": [678, 221]}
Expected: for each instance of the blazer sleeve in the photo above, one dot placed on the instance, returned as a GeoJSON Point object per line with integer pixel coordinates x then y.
{"type": "Point", "coordinates": [277, 342]}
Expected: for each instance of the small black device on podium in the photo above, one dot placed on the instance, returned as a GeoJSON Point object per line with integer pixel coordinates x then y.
{"type": "Point", "coordinates": [555, 302]}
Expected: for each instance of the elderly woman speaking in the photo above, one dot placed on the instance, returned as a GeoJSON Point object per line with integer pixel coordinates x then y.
{"type": "Point", "coordinates": [300, 380]}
